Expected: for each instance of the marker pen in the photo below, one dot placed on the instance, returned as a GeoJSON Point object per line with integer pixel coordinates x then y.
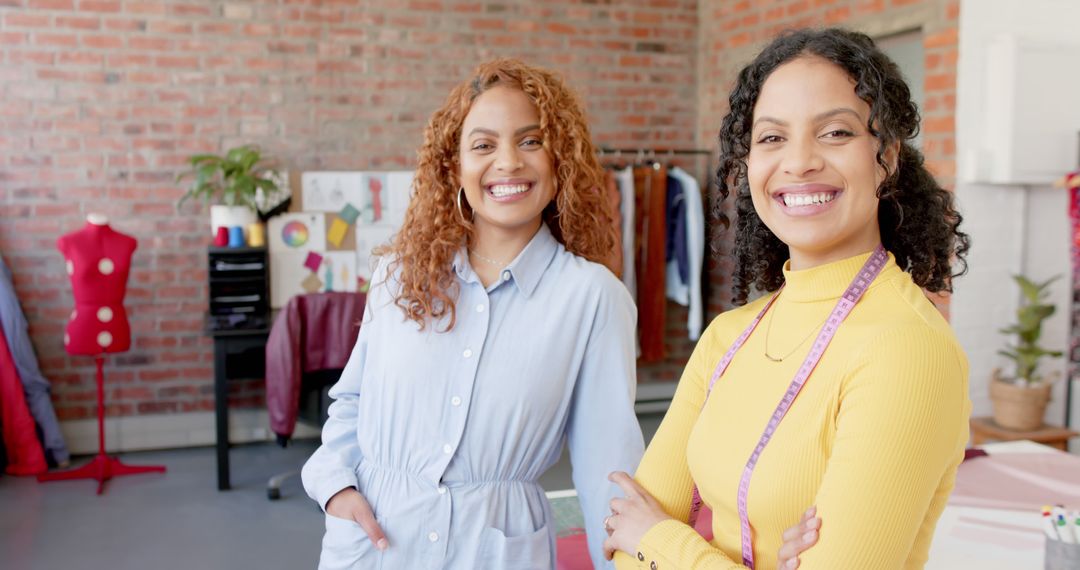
{"type": "Point", "coordinates": [1063, 530]}
{"type": "Point", "coordinates": [1048, 524]}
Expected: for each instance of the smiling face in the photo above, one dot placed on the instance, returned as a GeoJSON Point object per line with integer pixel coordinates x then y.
{"type": "Point", "coordinates": [812, 166]}
{"type": "Point", "coordinates": [507, 173]}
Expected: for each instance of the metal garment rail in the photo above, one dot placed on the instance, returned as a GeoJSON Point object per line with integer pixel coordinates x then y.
{"type": "Point", "coordinates": [652, 152]}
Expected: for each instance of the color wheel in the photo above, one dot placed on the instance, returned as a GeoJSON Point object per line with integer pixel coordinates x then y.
{"type": "Point", "coordinates": [294, 234]}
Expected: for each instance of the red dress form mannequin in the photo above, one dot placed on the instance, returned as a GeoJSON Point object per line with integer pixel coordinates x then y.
{"type": "Point", "coordinates": [98, 259]}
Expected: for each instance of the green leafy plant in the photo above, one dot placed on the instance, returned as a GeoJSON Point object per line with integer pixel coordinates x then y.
{"type": "Point", "coordinates": [1026, 352]}
{"type": "Point", "coordinates": [232, 179]}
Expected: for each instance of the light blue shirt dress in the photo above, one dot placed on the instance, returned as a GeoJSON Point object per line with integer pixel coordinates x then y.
{"type": "Point", "coordinates": [447, 433]}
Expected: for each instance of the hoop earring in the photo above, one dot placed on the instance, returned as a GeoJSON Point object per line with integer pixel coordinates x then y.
{"type": "Point", "coordinates": [461, 190]}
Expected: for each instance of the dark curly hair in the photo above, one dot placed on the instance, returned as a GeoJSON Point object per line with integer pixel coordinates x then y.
{"type": "Point", "coordinates": [919, 224]}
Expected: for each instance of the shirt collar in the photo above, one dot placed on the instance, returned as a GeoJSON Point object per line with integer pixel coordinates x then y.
{"type": "Point", "coordinates": [525, 270]}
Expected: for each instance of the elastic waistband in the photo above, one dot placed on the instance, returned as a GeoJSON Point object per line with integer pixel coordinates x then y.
{"type": "Point", "coordinates": [454, 483]}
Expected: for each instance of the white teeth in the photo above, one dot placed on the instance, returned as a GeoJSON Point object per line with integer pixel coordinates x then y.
{"type": "Point", "coordinates": [503, 190]}
{"type": "Point", "coordinates": [791, 200]}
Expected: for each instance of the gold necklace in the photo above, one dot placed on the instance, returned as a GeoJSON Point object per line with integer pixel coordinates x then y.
{"type": "Point", "coordinates": [768, 331]}
{"type": "Point", "coordinates": [493, 262]}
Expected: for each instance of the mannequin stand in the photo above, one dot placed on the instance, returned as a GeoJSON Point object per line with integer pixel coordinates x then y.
{"type": "Point", "coordinates": [102, 467]}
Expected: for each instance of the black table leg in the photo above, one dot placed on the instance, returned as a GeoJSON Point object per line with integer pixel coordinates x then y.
{"type": "Point", "coordinates": [221, 414]}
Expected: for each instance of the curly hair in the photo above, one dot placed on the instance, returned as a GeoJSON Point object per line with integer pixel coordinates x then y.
{"type": "Point", "coordinates": [919, 223]}
{"type": "Point", "coordinates": [434, 231]}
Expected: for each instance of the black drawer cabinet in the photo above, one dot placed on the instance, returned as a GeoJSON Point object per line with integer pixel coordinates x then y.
{"type": "Point", "coordinates": [239, 279]}
{"type": "Point", "coordinates": [238, 319]}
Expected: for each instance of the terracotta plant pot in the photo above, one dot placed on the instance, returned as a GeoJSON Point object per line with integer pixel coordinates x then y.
{"type": "Point", "coordinates": [1019, 408]}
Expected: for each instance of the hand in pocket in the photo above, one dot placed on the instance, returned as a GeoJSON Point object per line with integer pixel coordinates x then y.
{"type": "Point", "coordinates": [350, 504]}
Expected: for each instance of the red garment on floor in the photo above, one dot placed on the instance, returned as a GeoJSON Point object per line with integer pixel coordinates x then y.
{"type": "Point", "coordinates": [313, 332]}
{"type": "Point", "coordinates": [24, 453]}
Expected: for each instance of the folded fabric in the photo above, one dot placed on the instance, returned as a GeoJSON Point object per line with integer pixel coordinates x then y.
{"type": "Point", "coordinates": [1019, 481]}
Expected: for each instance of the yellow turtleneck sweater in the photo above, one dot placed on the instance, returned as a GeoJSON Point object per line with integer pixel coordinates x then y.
{"type": "Point", "coordinates": [873, 439]}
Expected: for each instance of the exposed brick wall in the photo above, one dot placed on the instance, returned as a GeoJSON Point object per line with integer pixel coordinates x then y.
{"type": "Point", "coordinates": [104, 99]}
{"type": "Point", "coordinates": [733, 31]}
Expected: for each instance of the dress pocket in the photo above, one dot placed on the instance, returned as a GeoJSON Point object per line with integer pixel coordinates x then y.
{"type": "Point", "coordinates": [346, 546]}
{"type": "Point", "coordinates": [531, 551]}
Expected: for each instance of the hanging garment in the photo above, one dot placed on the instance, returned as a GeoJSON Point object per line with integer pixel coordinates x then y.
{"type": "Point", "coordinates": [694, 210]}
{"type": "Point", "coordinates": [24, 454]}
{"type": "Point", "coordinates": [676, 289]}
{"type": "Point", "coordinates": [650, 191]}
{"type": "Point", "coordinates": [611, 192]}
{"type": "Point", "coordinates": [35, 386]}
{"type": "Point", "coordinates": [624, 178]}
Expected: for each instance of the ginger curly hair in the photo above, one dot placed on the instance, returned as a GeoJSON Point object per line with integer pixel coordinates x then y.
{"type": "Point", "coordinates": [580, 217]}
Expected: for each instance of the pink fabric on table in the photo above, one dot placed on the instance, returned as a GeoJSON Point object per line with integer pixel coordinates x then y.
{"type": "Point", "coordinates": [1018, 481]}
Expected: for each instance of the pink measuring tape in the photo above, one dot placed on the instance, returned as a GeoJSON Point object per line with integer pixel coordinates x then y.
{"type": "Point", "coordinates": [851, 296]}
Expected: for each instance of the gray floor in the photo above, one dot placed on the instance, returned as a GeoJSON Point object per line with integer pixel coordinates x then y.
{"type": "Point", "coordinates": [177, 520]}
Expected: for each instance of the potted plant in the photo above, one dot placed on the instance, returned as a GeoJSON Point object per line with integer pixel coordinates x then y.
{"type": "Point", "coordinates": [1020, 400]}
{"type": "Point", "coordinates": [239, 182]}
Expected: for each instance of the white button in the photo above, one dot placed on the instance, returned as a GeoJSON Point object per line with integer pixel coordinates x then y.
{"type": "Point", "coordinates": [67, 339]}
{"type": "Point", "coordinates": [70, 267]}
{"type": "Point", "coordinates": [433, 537]}
{"type": "Point", "coordinates": [506, 275]}
{"type": "Point", "coordinates": [447, 449]}
{"type": "Point", "coordinates": [467, 353]}
{"type": "Point", "coordinates": [104, 314]}
{"type": "Point", "coordinates": [104, 339]}
{"type": "Point", "coordinates": [442, 490]}
{"type": "Point", "coordinates": [106, 266]}
{"type": "Point", "coordinates": [455, 401]}
{"type": "Point", "coordinates": [479, 308]}
{"type": "Point", "coordinates": [74, 314]}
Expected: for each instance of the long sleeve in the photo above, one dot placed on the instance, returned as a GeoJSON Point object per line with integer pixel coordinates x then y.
{"type": "Point", "coordinates": [897, 446]}
{"type": "Point", "coordinates": [332, 467]}
{"type": "Point", "coordinates": [664, 472]}
{"type": "Point", "coordinates": [602, 429]}
{"type": "Point", "coordinates": [900, 428]}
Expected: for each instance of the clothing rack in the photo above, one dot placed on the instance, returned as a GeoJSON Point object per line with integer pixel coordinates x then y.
{"type": "Point", "coordinates": [641, 154]}
{"type": "Point", "coordinates": [653, 152]}
{"type": "Point", "coordinates": [652, 157]}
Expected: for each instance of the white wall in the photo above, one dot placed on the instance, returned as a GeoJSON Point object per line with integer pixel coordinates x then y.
{"type": "Point", "coordinates": [1013, 228]}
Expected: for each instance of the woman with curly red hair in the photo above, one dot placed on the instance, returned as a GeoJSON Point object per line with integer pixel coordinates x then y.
{"type": "Point", "coordinates": [493, 334]}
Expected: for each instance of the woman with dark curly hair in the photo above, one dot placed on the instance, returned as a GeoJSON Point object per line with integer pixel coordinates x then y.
{"type": "Point", "coordinates": [493, 334]}
{"type": "Point", "coordinates": [851, 396]}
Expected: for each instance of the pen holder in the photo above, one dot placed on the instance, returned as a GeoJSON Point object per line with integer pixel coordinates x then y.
{"type": "Point", "coordinates": [1061, 555]}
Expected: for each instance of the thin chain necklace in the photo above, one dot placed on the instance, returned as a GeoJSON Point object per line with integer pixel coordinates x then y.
{"type": "Point", "coordinates": [492, 262]}
{"type": "Point", "coordinates": [768, 331]}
